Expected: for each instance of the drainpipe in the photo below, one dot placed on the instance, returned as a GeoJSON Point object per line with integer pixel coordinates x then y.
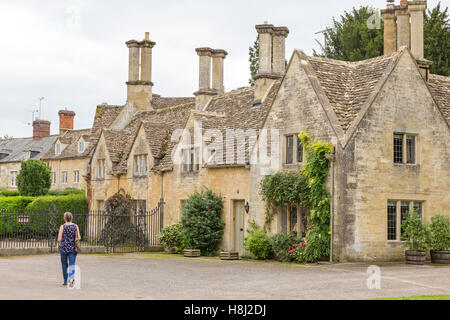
{"type": "Point", "coordinates": [332, 157]}
{"type": "Point", "coordinates": [161, 201]}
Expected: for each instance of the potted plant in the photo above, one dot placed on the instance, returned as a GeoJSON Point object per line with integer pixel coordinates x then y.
{"type": "Point", "coordinates": [171, 238]}
{"type": "Point", "coordinates": [440, 239]}
{"type": "Point", "coordinates": [417, 238]}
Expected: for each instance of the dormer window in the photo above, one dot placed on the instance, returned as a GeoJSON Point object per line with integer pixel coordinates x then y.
{"type": "Point", "coordinates": [191, 160]}
{"type": "Point", "coordinates": [81, 146]}
{"type": "Point", "coordinates": [140, 165]}
{"type": "Point", "coordinates": [58, 148]}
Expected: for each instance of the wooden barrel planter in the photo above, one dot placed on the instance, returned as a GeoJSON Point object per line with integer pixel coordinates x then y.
{"type": "Point", "coordinates": [415, 257]}
{"type": "Point", "coordinates": [227, 255]}
{"type": "Point", "coordinates": [192, 253]}
{"type": "Point", "coordinates": [441, 257]}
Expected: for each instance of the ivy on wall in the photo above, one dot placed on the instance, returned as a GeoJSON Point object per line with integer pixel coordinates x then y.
{"type": "Point", "coordinates": [306, 188]}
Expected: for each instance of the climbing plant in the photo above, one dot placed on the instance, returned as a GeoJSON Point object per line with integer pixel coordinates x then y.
{"type": "Point", "coordinates": [306, 188]}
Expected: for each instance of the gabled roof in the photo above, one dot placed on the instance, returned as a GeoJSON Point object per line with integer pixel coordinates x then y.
{"type": "Point", "coordinates": [348, 85]}
{"type": "Point", "coordinates": [70, 138]}
{"type": "Point", "coordinates": [21, 149]}
{"type": "Point", "coordinates": [440, 89]}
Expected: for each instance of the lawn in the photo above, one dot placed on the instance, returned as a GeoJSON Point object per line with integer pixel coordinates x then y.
{"type": "Point", "coordinates": [427, 297]}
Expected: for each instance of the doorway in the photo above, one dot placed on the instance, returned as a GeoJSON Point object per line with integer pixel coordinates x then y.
{"type": "Point", "coordinates": [238, 218]}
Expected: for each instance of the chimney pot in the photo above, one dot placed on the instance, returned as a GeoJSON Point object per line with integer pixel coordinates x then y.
{"type": "Point", "coordinates": [66, 118]}
{"type": "Point", "coordinates": [41, 129]}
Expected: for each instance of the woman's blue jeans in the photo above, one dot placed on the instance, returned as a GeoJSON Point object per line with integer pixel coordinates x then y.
{"type": "Point", "coordinates": [68, 264]}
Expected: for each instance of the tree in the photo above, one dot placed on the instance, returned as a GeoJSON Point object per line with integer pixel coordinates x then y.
{"type": "Point", "coordinates": [253, 52]}
{"type": "Point", "coordinates": [201, 222]}
{"type": "Point", "coordinates": [5, 137]}
{"type": "Point", "coordinates": [34, 178]}
{"type": "Point", "coordinates": [350, 38]}
{"type": "Point", "coordinates": [437, 40]}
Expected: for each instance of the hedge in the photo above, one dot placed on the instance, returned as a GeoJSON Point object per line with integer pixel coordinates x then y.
{"type": "Point", "coordinates": [14, 203]}
{"type": "Point", "coordinates": [9, 193]}
{"type": "Point", "coordinates": [15, 193]}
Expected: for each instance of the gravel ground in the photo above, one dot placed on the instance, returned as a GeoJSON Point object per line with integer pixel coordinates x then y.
{"type": "Point", "coordinates": [160, 276]}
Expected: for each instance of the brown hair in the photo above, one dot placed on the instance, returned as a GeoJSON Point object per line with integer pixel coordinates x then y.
{"type": "Point", "coordinates": [68, 217]}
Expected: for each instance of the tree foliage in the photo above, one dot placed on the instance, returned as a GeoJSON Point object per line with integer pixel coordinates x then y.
{"type": "Point", "coordinates": [416, 232]}
{"type": "Point", "coordinates": [350, 38]}
{"type": "Point", "coordinates": [253, 53]}
{"type": "Point", "coordinates": [202, 223]}
{"type": "Point", "coordinates": [34, 178]}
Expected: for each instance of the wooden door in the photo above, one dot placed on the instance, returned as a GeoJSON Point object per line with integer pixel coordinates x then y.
{"type": "Point", "coordinates": [239, 226]}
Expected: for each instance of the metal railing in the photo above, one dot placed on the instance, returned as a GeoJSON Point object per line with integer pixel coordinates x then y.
{"type": "Point", "coordinates": [117, 232]}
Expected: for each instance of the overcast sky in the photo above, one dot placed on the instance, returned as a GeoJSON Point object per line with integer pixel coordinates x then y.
{"type": "Point", "coordinates": [73, 53]}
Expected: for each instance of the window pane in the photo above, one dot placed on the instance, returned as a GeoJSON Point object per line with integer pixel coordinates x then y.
{"type": "Point", "coordinates": [303, 221]}
{"type": "Point", "coordinates": [191, 163]}
{"type": "Point", "coordinates": [293, 218]}
{"type": "Point", "coordinates": [284, 212]}
{"type": "Point", "coordinates": [404, 210]}
{"type": "Point", "coordinates": [410, 149]}
{"type": "Point", "coordinates": [299, 150]}
{"type": "Point", "coordinates": [185, 160]}
{"type": "Point", "coordinates": [398, 148]}
{"type": "Point", "coordinates": [197, 159]}
{"type": "Point", "coordinates": [418, 208]}
{"type": "Point", "coordinates": [392, 221]}
{"type": "Point", "coordinates": [289, 148]}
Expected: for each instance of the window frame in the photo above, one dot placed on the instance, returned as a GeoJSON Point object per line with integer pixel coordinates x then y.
{"type": "Point", "coordinates": [64, 177]}
{"type": "Point", "coordinates": [399, 204]}
{"type": "Point", "coordinates": [53, 177]}
{"type": "Point", "coordinates": [81, 146]}
{"type": "Point", "coordinates": [76, 176]}
{"type": "Point", "coordinates": [101, 172]}
{"type": "Point", "coordinates": [58, 148]}
{"type": "Point", "coordinates": [405, 154]}
{"type": "Point", "coordinates": [297, 155]}
{"type": "Point", "coordinates": [191, 160]}
{"type": "Point", "coordinates": [140, 165]}
{"type": "Point", "coordinates": [301, 213]}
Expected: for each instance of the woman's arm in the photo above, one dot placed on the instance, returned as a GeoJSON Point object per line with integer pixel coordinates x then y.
{"type": "Point", "coordinates": [60, 234]}
{"type": "Point", "coordinates": [78, 234]}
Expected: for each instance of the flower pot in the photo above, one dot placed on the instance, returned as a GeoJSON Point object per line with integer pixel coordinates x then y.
{"type": "Point", "coordinates": [228, 255]}
{"type": "Point", "coordinates": [169, 250]}
{"type": "Point", "coordinates": [442, 257]}
{"type": "Point", "coordinates": [415, 257]}
{"type": "Point", "coordinates": [192, 253]}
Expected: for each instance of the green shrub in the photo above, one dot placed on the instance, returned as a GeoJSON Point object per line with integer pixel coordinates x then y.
{"type": "Point", "coordinates": [440, 232]}
{"type": "Point", "coordinates": [65, 192]}
{"type": "Point", "coordinates": [34, 178]}
{"type": "Point", "coordinates": [9, 193]}
{"type": "Point", "coordinates": [72, 203]}
{"type": "Point", "coordinates": [10, 209]}
{"type": "Point", "coordinates": [14, 203]}
{"type": "Point", "coordinates": [297, 253]}
{"type": "Point", "coordinates": [201, 221]}
{"type": "Point", "coordinates": [318, 245]}
{"type": "Point", "coordinates": [258, 243]}
{"type": "Point", "coordinates": [282, 243]}
{"type": "Point", "coordinates": [416, 232]}
{"type": "Point", "coordinates": [172, 237]}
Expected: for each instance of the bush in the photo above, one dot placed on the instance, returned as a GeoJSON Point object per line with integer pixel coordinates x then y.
{"type": "Point", "coordinates": [65, 192]}
{"type": "Point", "coordinates": [34, 178]}
{"type": "Point", "coordinates": [258, 243]}
{"type": "Point", "coordinates": [416, 232]}
{"type": "Point", "coordinates": [440, 232]}
{"type": "Point", "coordinates": [297, 253]}
{"type": "Point", "coordinates": [201, 222]}
{"type": "Point", "coordinates": [281, 244]}
{"type": "Point", "coordinates": [172, 237]}
{"type": "Point", "coordinates": [14, 203]}
{"type": "Point", "coordinates": [9, 193]}
{"type": "Point", "coordinates": [72, 203]}
{"type": "Point", "coordinates": [318, 245]}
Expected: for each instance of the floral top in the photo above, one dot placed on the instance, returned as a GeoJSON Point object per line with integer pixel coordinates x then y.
{"type": "Point", "coordinates": [68, 238]}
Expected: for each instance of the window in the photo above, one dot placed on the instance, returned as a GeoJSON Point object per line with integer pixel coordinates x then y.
{"type": "Point", "coordinates": [140, 165]}
{"type": "Point", "coordinates": [81, 146]}
{"type": "Point", "coordinates": [191, 160]}
{"type": "Point", "coordinates": [289, 149]}
{"type": "Point", "coordinates": [140, 206]}
{"type": "Point", "coordinates": [58, 148]}
{"type": "Point", "coordinates": [53, 177]}
{"type": "Point", "coordinates": [404, 148]}
{"type": "Point", "coordinates": [101, 169]}
{"type": "Point", "coordinates": [76, 176]}
{"type": "Point", "coordinates": [64, 177]}
{"type": "Point", "coordinates": [101, 205]}
{"type": "Point", "coordinates": [293, 219]}
{"type": "Point", "coordinates": [299, 150]}
{"type": "Point", "coordinates": [14, 179]}
{"type": "Point", "coordinates": [397, 211]}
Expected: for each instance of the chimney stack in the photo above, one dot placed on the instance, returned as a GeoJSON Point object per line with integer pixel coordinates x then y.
{"type": "Point", "coordinates": [390, 28]}
{"type": "Point", "coordinates": [269, 71]}
{"type": "Point", "coordinates": [65, 120]}
{"type": "Point", "coordinates": [417, 10]}
{"type": "Point", "coordinates": [403, 25]}
{"type": "Point", "coordinates": [218, 57]}
{"type": "Point", "coordinates": [41, 129]}
{"type": "Point", "coordinates": [139, 84]}
{"type": "Point", "coordinates": [205, 91]}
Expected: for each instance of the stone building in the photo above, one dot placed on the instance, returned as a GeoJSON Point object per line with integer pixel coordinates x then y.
{"type": "Point", "coordinates": [14, 151]}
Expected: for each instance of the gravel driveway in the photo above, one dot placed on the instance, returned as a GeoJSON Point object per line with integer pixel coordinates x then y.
{"type": "Point", "coordinates": [160, 276]}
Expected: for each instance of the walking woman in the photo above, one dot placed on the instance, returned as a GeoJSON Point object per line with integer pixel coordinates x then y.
{"type": "Point", "coordinates": [67, 235]}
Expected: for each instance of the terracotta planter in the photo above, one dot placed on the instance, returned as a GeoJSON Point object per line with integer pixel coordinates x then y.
{"type": "Point", "coordinates": [192, 253]}
{"type": "Point", "coordinates": [415, 257]}
{"type": "Point", "coordinates": [441, 257]}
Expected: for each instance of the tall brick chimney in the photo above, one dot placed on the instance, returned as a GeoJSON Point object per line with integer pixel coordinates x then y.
{"type": "Point", "coordinates": [65, 120]}
{"type": "Point", "coordinates": [139, 84]}
{"type": "Point", "coordinates": [41, 129]}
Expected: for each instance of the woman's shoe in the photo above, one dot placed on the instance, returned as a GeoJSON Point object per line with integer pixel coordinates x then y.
{"type": "Point", "coordinates": [64, 284]}
{"type": "Point", "coordinates": [71, 285]}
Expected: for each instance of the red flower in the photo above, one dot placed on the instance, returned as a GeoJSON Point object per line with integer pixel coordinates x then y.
{"type": "Point", "coordinates": [295, 245]}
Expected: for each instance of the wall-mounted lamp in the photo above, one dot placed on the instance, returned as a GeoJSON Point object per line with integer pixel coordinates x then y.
{"type": "Point", "coordinates": [247, 207]}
